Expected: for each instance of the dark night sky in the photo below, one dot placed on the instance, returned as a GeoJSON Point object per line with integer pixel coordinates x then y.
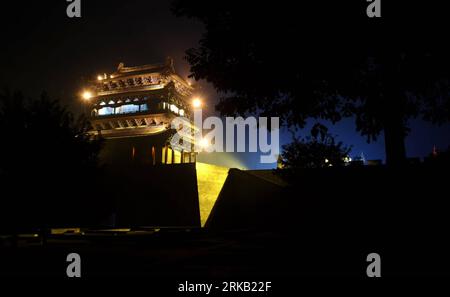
{"type": "Point", "coordinates": [43, 49]}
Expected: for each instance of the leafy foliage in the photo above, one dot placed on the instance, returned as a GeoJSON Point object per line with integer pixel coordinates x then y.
{"type": "Point", "coordinates": [320, 150]}
{"type": "Point", "coordinates": [48, 163]}
{"type": "Point", "coordinates": [325, 60]}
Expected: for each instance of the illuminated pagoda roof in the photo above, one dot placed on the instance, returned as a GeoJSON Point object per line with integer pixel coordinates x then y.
{"type": "Point", "coordinates": [141, 78]}
{"type": "Point", "coordinates": [139, 100]}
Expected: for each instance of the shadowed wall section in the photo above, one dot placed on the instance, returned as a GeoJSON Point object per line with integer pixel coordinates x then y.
{"type": "Point", "coordinates": [163, 195]}
{"type": "Point", "coordinates": [168, 195]}
{"type": "Point", "coordinates": [249, 199]}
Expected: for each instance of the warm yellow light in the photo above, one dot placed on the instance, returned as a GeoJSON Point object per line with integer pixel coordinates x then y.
{"type": "Point", "coordinates": [87, 95]}
{"type": "Point", "coordinates": [210, 180]}
{"type": "Point", "coordinates": [196, 102]}
{"type": "Point", "coordinates": [204, 143]}
{"type": "Point", "coordinates": [99, 77]}
{"type": "Point", "coordinates": [111, 76]}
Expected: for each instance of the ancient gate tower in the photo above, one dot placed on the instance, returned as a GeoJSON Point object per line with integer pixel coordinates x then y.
{"type": "Point", "coordinates": [132, 110]}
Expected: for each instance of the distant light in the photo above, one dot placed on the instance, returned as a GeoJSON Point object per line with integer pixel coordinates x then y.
{"type": "Point", "coordinates": [111, 76]}
{"type": "Point", "coordinates": [87, 95]}
{"type": "Point", "coordinates": [196, 102]}
{"type": "Point", "coordinates": [204, 143]}
{"type": "Point", "coordinates": [99, 77]}
{"type": "Point", "coordinates": [174, 108]}
{"type": "Point", "coordinates": [326, 161]}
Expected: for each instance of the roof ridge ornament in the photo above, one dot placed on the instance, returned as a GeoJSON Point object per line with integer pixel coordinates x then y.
{"type": "Point", "coordinates": [169, 63]}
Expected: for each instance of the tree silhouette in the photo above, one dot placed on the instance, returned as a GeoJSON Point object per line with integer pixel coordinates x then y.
{"type": "Point", "coordinates": [440, 158]}
{"type": "Point", "coordinates": [320, 150]}
{"type": "Point", "coordinates": [48, 165]}
{"type": "Point", "coordinates": [326, 60]}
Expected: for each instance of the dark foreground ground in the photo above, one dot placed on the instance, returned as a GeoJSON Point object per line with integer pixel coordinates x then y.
{"type": "Point", "coordinates": [324, 224]}
{"type": "Point", "coordinates": [189, 253]}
